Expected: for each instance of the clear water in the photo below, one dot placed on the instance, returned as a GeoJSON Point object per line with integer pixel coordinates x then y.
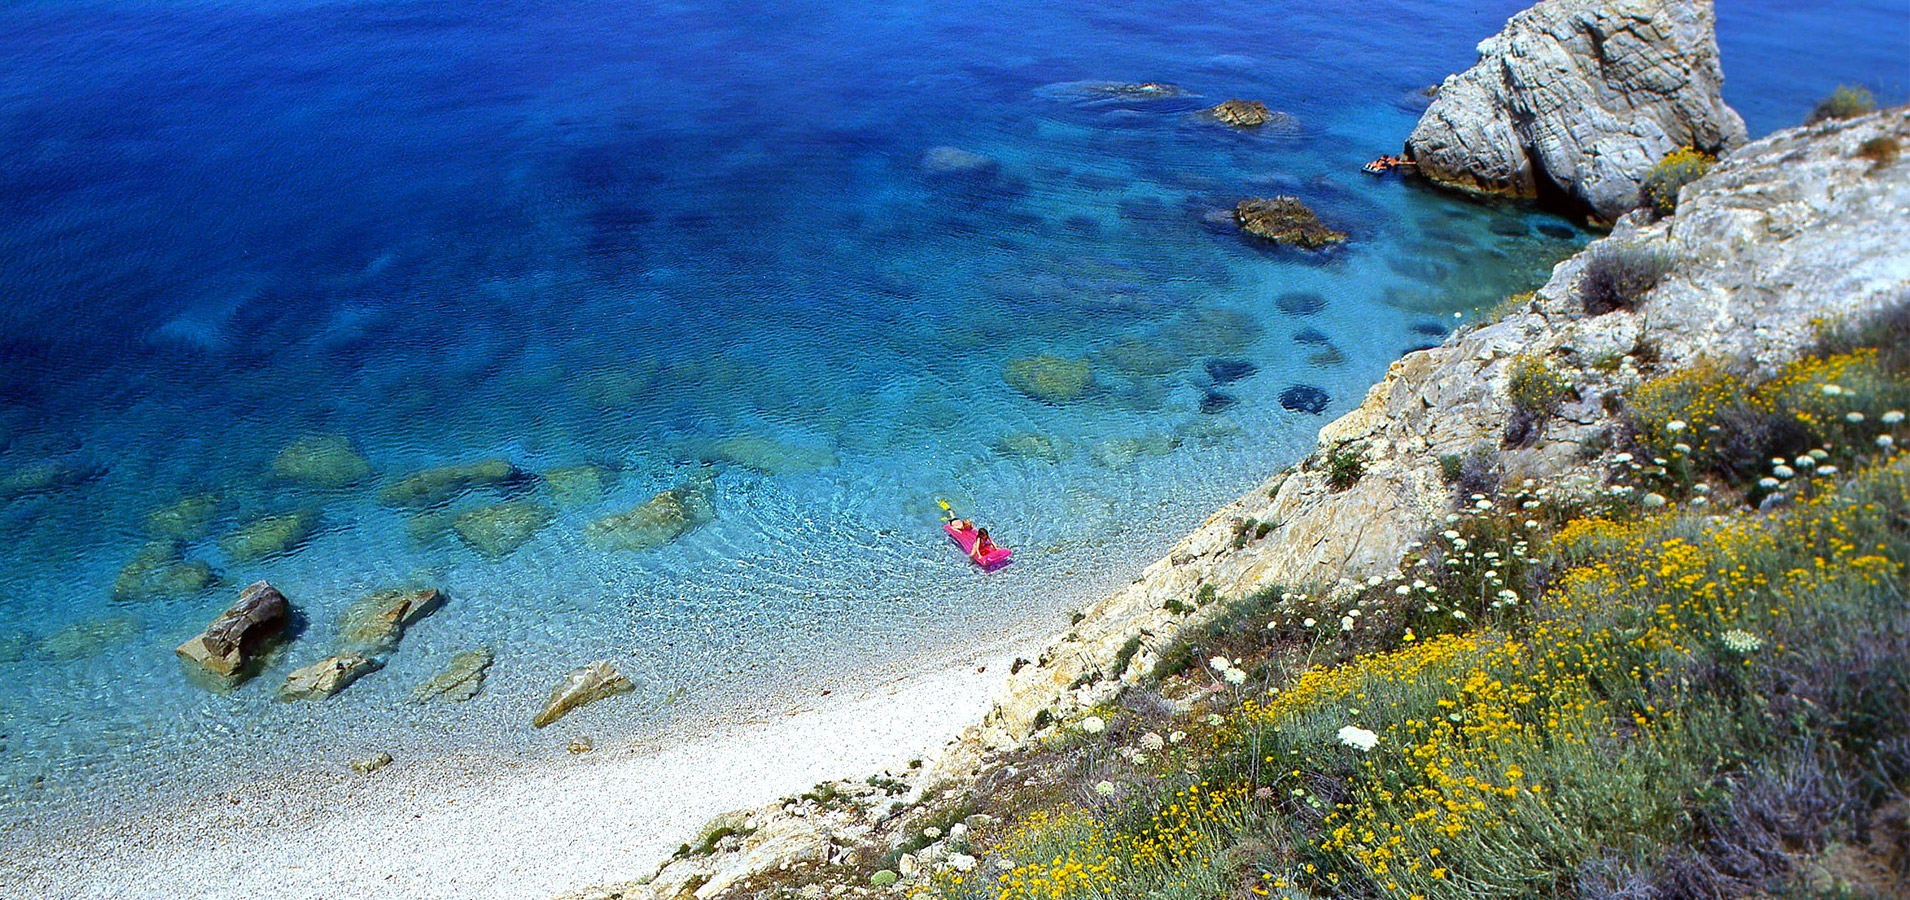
{"type": "Point", "coordinates": [630, 235]}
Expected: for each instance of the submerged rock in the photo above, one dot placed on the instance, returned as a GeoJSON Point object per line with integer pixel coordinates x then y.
{"type": "Point", "coordinates": [1244, 113]}
{"type": "Point", "coordinates": [661, 519]}
{"type": "Point", "coordinates": [1224, 371]}
{"type": "Point", "coordinates": [14, 646]}
{"type": "Point", "coordinates": [187, 520]}
{"type": "Point", "coordinates": [1285, 220]}
{"type": "Point", "coordinates": [771, 457]}
{"type": "Point", "coordinates": [269, 536]}
{"type": "Point", "coordinates": [160, 571]}
{"type": "Point", "coordinates": [1213, 330]}
{"type": "Point", "coordinates": [89, 638]}
{"type": "Point", "coordinates": [956, 161]}
{"type": "Point", "coordinates": [459, 680]}
{"type": "Point", "coordinates": [1141, 356]}
{"type": "Point", "coordinates": [46, 478]}
{"type": "Point", "coordinates": [1310, 336]}
{"type": "Point", "coordinates": [500, 528]}
{"type": "Point", "coordinates": [1215, 401]}
{"type": "Point", "coordinates": [440, 484]}
{"type": "Point", "coordinates": [323, 460]}
{"type": "Point", "coordinates": [326, 677]}
{"type": "Point", "coordinates": [1122, 453]}
{"type": "Point", "coordinates": [377, 623]}
{"type": "Point", "coordinates": [1029, 445]}
{"type": "Point", "coordinates": [1300, 303]}
{"type": "Point", "coordinates": [1580, 98]}
{"type": "Point", "coordinates": [239, 635]}
{"type": "Point", "coordinates": [578, 485]}
{"type": "Point", "coordinates": [1048, 377]}
{"type": "Point", "coordinates": [1326, 357]}
{"type": "Point", "coordinates": [584, 685]}
{"type": "Point", "coordinates": [1305, 398]}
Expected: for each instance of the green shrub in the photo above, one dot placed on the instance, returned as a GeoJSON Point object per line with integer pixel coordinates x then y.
{"type": "Point", "coordinates": [1660, 188]}
{"type": "Point", "coordinates": [1344, 467]}
{"type": "Point", "coordinates": [1881, 151]}
{"type": "Point", "coordinates": [1123, 657]}
{"type": "Point", "coordinates": [1847, 102]}
{"type": "Point", "coordinates": [1536, 391]}
{"type": "Point", "coordinates": [1619, 276]}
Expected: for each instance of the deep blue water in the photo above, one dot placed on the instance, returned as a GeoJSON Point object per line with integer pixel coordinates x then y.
{"type": "Point", "coordinates": [648, 237]}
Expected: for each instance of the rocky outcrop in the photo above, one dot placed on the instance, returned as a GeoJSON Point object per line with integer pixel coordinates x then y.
{"type": "Point", "coordinates": [1576, 100]}
{"type": "Point", "coordinates": [584, 685]}
{"type": "Point", "coordinates": [459, 680]}
{"type": "Point", "coordinates": [237, 638]}
{"type": "Point", "coordinates": [1285, 220]}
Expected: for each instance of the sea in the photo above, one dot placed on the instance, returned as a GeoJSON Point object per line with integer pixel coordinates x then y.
{"type": "Point", "coordinates": [659, 332]}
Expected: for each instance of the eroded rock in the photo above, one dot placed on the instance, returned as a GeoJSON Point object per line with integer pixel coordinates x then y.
{"type": "Point", "coordinates": [1242, 113]}
{"type": "Point", "coordinates": [584, 685]}
{"type": "Point", "coordinates": [240, 635]}
{"type": "Point", "coordinates": [1580, 98]}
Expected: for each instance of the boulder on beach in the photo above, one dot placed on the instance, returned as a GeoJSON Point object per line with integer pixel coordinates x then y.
{"type": "Point", "coordinates": [322, 460]}
{"type": "Point", "coordinates": [160, 571]}
{"type": "Point", "coordinates": [1048, 377]}
{"type": "Point", "coordinates": [438, 485]}
{"type": "Point", "coordinates": [459, 680]}
{"type": "Point", "coordinates": [1285, 220]}
{"type": "Point", "coordinates": [579, 485]}
{"type": "Point", "coordinates": [1578, 99]}
{"type": "Point", "coordinates": [584, 685]}
{"type": "Point", "coordinates": [375, 624]}
{"type": "Point", "coordinates": [1242, 113]}
{"type": "Point", "coordinates": [189, 519]}
{"type": "Point", "coordinates": [500, 528]}
{"type": "Point", "coordinates": [661, 519]}
{"type": "Point", "coordinates": [269, 536]}
{"type": "Point", "coordinates": [326, 677]}
{"type": "Point", "coordinates": [242, 633]}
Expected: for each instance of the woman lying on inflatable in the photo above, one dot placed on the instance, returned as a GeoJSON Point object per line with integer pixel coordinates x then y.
{"type": "Point", "coordinates": [1385, 164]}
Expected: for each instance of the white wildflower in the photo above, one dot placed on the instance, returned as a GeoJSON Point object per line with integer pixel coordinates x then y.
{"type": "Point", "coordinates": [1346, 623]}
{"type": "Point", "coordinates": [1355, 736]}
{"type": "Point", "coordinates": [1214, 719]}
{"type": "Point", "coordinates": [1783, 471]}
{"type": "Point", "coordinates": [1176, 737]}
{"type": "Point", "coordinates": [1826, 470]}
{"type": "Point", "coordinates": [1740, 641]}
{"type": "Point", "coordinates": [1701, 488]}
{"type": "Point", "coordinates": [1831, 390]}
{"type": "Point", "coordinates": [1458, 613]}
{"type": "Point", "coordinates": [1653, 500]}
{"type": "Point", "coordinates": [1220, 663]}
{"type": "Point", "coordinates": [1885, 441]}
{"type": "Point", "coordinates": [1820, 454]}
{"type": "Point", "coordinates": [1622, 457]}
{"type": "Point", "coordinates": [1105, 788]}
{"type": "Point", "coordinates": [1767, 482]}
{"type": "Point", "coordinates": [1094, 725]}
{"type": "Point", "coordinates": [1234, 676]}
{"type": "Point", "coordinates": [1401, 590]}
{"type": "Point", "coordinates": [1892, 417]}
{"type": "Point", "coordinates": [1531, 523]}
{"type": "Point", "coordinates": [1309, 622]}
{"type": "Point", "coordinates": [1853, 417]}
{"type": "Point", "coordinates": [1675, 425]}
{"type": "Point", "coordinates": [1153, 741]}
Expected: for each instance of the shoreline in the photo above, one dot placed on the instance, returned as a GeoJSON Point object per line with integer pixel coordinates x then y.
{"type": "Point", "coordinates": [433, 828]}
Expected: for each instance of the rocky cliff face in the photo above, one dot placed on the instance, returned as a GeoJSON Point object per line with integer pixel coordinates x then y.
{"type": "Point", "coordinates": [1577, 99]}
{"type": "Point", "coordinates": [1799, 228]}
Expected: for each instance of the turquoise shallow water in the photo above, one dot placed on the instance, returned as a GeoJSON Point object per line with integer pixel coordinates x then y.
{"type": "Point", "coordinates": [712, 244]}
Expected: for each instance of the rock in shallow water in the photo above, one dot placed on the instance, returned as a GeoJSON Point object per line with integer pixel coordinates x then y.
{"type": "Point", "coordinates": [500, 528]}
{"type": "Point", "coordinates": [1224, 371]}
{"type": "Point", "coordinates": [439, 484]}
{"type": "Point", "coordinates": [1243, 113]}
{"type": "Point", "coordinates": [1305, 398]}
{"type": "Point", "coordinates": [1215, 401]}
{"type": "Point", "coordinates": [575, 485]}
{"type": "Point", "coordinates": [326, 677]}
{"type": "Point", "coordinates": [322, 460]}
{"type": "Point", "coordinates": [1048, 377]}
{"type": "Point", "coordinates": [584, 685]}
{"type": "Point", "coordinates": [661, 519]}
{"type": "Point", "coordinates": [1285, 220]}
{"type": "Point", "coordinates": [159, 571]}
{"type": "Point", "coordinates": [377, 623]}
{"type": "Point", "coordinates": [1300, 303]}
{"type": "Point", "coordinates": [269, 536]}
{"type": "Point", "coordinates": [239, 635]}
{"type": "Point", "coordinates": [369, 764]}
{"type": "Point", "coordinates": [459, 680]}
{"type": "Point", "coordinates": [187, 520]}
